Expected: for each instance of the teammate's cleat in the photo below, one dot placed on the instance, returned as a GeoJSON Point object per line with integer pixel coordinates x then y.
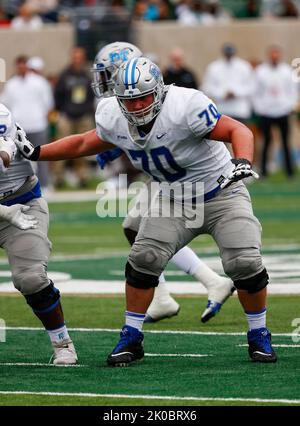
{"type": "Point", "coordinates": [64, 353]}
{"type": "Point", "coordinates": [162, 308]}
{"type": "Point", "coordinates": [129, 349]}
{"type": "Point", "coordinates": [217, 296]}
{"type": "Point", "coordinates": [260, 348]}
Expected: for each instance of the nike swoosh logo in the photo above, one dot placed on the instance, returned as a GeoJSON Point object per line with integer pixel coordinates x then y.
{"type": "Point", "coordinates": [161, 136]}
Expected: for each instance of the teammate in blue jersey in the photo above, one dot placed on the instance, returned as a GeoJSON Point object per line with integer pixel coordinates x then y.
{"type": "Point", "coordinates": [176, 136]}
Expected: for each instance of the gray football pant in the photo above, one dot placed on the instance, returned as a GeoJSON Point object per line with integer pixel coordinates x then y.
{"type": "Point", "coordinates": [228, 218]}
{"type": "Point", "coordinates": [28, 250]}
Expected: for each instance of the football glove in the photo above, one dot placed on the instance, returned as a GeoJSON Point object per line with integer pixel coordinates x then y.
{"type": "Point", "coordinates": [107, 156]}
{"type": "Point", "coordinates": [15, 216]}
{"type": "Point", "coordinates": [242, 170]}
{"type": "Point", "coordinates": [24, 145]}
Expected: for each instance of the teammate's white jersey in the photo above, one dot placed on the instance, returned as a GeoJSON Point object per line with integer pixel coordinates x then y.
{"type": "Point", "coordinates": [176, 149]}
{"type": "Point", "coordinates": [19, 168]}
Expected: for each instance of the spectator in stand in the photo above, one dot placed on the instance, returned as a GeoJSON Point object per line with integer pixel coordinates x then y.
{"type": "Point", "coordinates": [214, 13]}
{"type": "Point", "coordinates": [275, 97]}
{"type": "Point", "coordinates": [74, 101]}
{"type": "Point", "coordinates": [229, 82]}
{"type": "Point", "coordinates": [26, 19]}
{"type": "Point", "coordinates": [152, 10]}
{"type": "Point", "coordinates": [280, 8]}
{"type": "Point", "coordinates": [186, 12]}
{"type": "Point", "coordinates": [177, 72]}
{"type": "Point", "coordinates": [249, 10]}
{"type": "Point", "coordinates": [30, 99]}
{"type": "Point", "coordinates": [47, 9]}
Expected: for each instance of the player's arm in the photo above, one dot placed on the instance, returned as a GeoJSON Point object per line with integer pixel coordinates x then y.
{"type": "Point", "coordinates": [74, 146]}
{"type": "Point", "coordinates": [241, 138]}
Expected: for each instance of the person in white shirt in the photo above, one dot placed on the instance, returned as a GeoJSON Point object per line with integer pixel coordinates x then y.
{"type": "Point", "coordinates": [229, 82]}
{"type": "Point", "coordinates": [275, 98]}
{"type": "Point", "coordinates": [29, 97]}
{"type": "Point", "coordinates": [27, 20]}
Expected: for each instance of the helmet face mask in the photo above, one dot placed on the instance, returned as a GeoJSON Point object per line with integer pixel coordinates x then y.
{"type": "Point", "coordinates": [106, 65]}
{"type": "Point", "coordinates": [138, 78]}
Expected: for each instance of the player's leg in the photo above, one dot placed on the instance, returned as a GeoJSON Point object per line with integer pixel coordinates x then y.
{"type": "Point", "coordinates": [28, 253]}
{"type": "Point", "coordinates": [218, 288]}
{"type": "Point", "coordinates": [157, 241]}
{"type": "Point", "coordinates": [163, 304]}
{"type": "Point", "coordinates": [238, 235]}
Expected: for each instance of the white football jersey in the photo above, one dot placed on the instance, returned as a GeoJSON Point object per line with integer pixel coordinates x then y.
{"type": "Point", "coordinates": [19, 168]}
{"type": "Point", "coordinates": [177, 148]}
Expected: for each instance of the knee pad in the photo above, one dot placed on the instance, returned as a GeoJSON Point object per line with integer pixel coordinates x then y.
{"type": "Point", "coordinates": [130, 235]}
{"type": "Point", "coordinates": [253, 284]}
{"type": "Point", "coordinates": [140, 279]}
{"type": "Point", "coordinates": [30, 280]}
{"type": "Point", "coordinates": [45, 300]}
{"type": "Point", "coordinates": [240, 264]}
{"type": "Point", "coordinates": [149, 258]}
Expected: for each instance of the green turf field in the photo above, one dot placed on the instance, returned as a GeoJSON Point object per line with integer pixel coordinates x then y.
{"type": "Point", "coordinates": [172, 372]}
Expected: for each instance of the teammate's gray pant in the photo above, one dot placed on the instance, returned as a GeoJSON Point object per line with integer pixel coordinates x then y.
{"type": "Point", "coordinates": [228, 218]}
{"type": "Point", "coordinates": [28, 251]}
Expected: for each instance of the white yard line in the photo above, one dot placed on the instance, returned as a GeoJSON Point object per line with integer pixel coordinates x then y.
{"type": "Point", "coordinates": [117, 330]}
{"type": "Point", "coordinates": [168, 398]}
{"type": "Point", "coordinates": [38, 364]}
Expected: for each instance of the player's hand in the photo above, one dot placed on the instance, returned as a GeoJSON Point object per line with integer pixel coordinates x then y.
{"type": "Point", "coordinates": [242, 170]}
{"type": "Point", "coordinates": [107, 156]}
{"type": "Point", "coordinates": [15, 215]}
{"type": "Point", "coordinates": [25, 146]}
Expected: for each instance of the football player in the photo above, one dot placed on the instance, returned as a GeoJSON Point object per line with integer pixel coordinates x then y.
{"type": "Point", "coordinates": [106, 64]}
{"type": "Point", "coordinates": [188, 151]}
{"type": "Point", "coordinates": [24, 238]}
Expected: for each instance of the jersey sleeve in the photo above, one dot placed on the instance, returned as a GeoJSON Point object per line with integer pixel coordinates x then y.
{"type": "Point", "coordinates": [202, 115]}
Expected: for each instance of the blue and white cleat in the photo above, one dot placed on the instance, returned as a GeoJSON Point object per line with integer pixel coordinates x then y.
{"type": "Point", "coordinates": [130, 348]}
{"type": "Point", "coordinates": [161, 308]}
{"type": "Point", "coordinates": [260, 347]}
{"type": "Point", "coordinates": [217, 296]}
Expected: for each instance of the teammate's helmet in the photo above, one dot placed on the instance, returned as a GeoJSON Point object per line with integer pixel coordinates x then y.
{"type": "Point", "coordinates": [136, 78]}
{"type": "Point", "coordinates": [106, 64]}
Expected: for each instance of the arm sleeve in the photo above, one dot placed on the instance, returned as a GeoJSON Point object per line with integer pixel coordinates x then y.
{"type": "Point", "coordinates": [202, 115]}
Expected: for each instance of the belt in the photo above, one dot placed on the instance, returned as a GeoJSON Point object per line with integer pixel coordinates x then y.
{"type": "Point", "coordinates": [35, 192]}
{"type": "Point", "coordinates": [212, 193]}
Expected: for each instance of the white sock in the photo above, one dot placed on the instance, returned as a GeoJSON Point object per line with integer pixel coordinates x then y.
{"type": "Point", "coordinates": [187, 260]}
{"type": "Point", "coordinates": [256, 319]}
{"type": "Point", "coordinates": [134, 319]}
{"type": "Point", "coordinates": [161, 292]}
{"type": "Point", "coordinates": [58, 334]}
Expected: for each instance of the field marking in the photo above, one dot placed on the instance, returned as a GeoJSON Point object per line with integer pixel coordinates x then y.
{"type": "Point", "coordinates": [168, 398]}
{"type": "Point", "coordinates": [277, 346]}
{"type": "Point", "coordinates": [178, 355]}
{"type": "Point", "coordinates": [38, 364]}
{"type": "Point", "coordinates": [117, 330]}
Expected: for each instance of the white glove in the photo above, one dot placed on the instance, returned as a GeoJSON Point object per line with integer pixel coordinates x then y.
{"type": "Point", "coordinates": [24, 145]}
{"type": "Point", "coordinates": [242, 170]}
{"type": "Point", "coordinates": [14, 215]}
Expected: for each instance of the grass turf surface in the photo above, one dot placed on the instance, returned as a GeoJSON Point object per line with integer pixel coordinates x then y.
{"type": "Point", "coordinates": [227, 373]}
{"type": "Point", "coordinates": [75, 229]}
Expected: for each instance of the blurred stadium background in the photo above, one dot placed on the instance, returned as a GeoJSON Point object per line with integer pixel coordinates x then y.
{"type": "Point", "coordinates": [89, 253]}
